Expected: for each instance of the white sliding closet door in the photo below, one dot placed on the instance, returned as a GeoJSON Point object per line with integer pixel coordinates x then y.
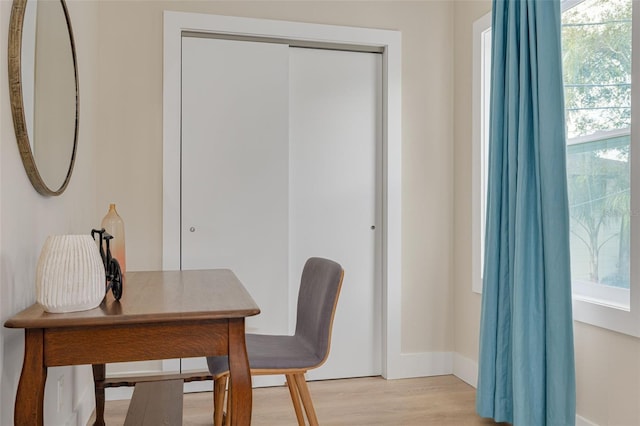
{"type": "Point", "coordinates": [235, 169]}
{"type": "Point", "coordinates": [280, 161]}
{"type": "Point", "coordinates": [335, 131]}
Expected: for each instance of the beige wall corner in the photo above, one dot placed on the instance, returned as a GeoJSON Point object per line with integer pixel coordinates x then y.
{"type": "Point", "coordinates": [466, 302]}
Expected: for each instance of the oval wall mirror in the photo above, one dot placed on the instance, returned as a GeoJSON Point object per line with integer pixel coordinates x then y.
{"type": "Point", "coordinates": [43, 88]}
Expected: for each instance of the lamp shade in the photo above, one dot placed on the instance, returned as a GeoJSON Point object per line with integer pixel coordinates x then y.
{"type": "Point", "coordinates": [70, 275]}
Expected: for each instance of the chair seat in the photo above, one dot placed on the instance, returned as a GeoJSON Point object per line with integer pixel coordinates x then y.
{"type": "Point", "coordinates": [271, 352]}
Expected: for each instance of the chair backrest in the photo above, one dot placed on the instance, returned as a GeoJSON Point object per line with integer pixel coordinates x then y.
{"type": "Point", "coordinates": [317, 299]}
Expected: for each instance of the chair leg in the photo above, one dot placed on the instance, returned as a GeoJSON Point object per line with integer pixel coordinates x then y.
{"type": "Point", "coordinates": [219, 387]}
{"type": "Point", "coordinates": [295, 398]}
{"type": "Point", "coordinates": [306, 399]}
{"type": "Point", "coordinates": [229, 414]}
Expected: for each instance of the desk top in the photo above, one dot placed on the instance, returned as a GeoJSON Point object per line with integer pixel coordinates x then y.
{"type": "Point", "coordinates": [152, 297]}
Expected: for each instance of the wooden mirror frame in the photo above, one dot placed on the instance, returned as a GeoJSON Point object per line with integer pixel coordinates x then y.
{"type": "Point", "coordinates": [17, 101]}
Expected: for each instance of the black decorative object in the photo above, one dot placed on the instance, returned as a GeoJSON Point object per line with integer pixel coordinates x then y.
{"type": "Point", "coordinates": [111, 266]}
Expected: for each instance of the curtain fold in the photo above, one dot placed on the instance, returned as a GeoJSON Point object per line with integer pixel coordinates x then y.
{"type": "Point", "coordinates": [526, 367]}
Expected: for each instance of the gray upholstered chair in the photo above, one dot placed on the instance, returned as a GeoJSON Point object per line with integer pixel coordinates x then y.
{"type": "Point", "coordinates": [293, 355]}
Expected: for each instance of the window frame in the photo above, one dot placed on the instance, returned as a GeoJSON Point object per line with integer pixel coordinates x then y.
{"type": "Point", "coordinates": [480, 135]}
{"type": "Point", "coordinates": [595, 312]}
{"type": "Point", "coordinates": [587, 307]}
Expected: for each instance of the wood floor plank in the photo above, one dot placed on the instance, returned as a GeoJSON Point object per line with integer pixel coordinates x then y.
{"type": "Point", "coordinates": [370, 401]}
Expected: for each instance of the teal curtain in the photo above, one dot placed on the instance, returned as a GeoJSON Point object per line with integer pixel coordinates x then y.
{"type": "Point", "coordinates": [526, 368]}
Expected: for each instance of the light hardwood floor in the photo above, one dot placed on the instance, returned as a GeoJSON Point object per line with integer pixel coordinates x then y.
{"type": "Point", "coordinates": [370, 401]}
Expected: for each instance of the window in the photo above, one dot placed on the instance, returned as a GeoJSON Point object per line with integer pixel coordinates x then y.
{"type": "Point", "coordinates": [596, 39]}
{"type": "Point", "coordinates": [597, 64]}
{"type": "Point", "coordinates": [480, 154]}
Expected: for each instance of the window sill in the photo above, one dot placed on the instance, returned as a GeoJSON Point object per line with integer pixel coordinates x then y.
{"type": "Point", "coordinates": [621, 320]}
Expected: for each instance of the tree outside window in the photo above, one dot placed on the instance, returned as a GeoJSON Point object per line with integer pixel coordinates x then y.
{"type": "Point", "coordinates": [596, 37]}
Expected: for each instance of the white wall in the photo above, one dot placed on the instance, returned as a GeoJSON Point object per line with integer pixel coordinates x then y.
{"type": "Point", "coordinates": [26, 219]}
{"type": "Point", "coordinates": [607, 363]}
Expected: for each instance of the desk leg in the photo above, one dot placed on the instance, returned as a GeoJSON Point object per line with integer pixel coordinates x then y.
{"type": "Point", "coordinates": [98, 381]}
{"type": "Point", "coordinates": [29, 406]}
{"type": "Point", "coordinates": [240, 377]}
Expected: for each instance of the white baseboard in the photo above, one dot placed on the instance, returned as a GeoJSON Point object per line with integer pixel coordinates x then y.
{"type": "Point", "coordinates": [581, 421]}
{"type": "Point", "coordinates": [465, 369]}
{"type": "Point", "coordinates": [421, 364]}
{"type": "Point", "coordinates": [117, 394]}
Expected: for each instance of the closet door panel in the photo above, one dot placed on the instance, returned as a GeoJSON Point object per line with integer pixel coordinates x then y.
{"type": "Point", "coordinates": [335, 136]}
{"type": "Point", "coordinates": [235, 169]}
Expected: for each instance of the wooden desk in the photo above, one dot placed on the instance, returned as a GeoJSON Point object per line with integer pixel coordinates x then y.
{"type": "Point", "coordinates": [161, 315]}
